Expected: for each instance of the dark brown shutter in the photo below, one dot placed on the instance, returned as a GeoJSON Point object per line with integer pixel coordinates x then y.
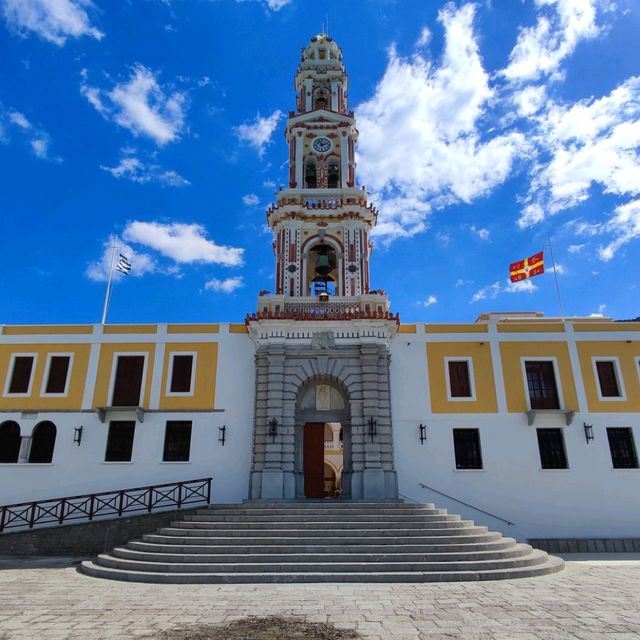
{"type": "Point", "coordinates": [21, 374]}
{"type": "Point", "coordinates": [541, 382]}
{"type": "Point", "coordinates": [128, 384]}
{"type": "Point", "coordinates": [58, 370]}
{"type": "Point", "coordinates": [181, 374]}
{"type": "Point", "coordinates": [459, 379]}
{"type": "Point", "coordinates": [314, 460]}
{"type": "Point", "coordinates": [607, 378]}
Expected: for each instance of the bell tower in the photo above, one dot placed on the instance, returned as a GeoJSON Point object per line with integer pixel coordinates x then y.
{"type": "Point", "coordinates": [322, 336]}
{"type": "Point", "coordinates": [321, 221]}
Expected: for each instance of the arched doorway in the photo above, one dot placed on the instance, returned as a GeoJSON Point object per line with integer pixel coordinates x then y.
{"type": "Point", "coordinates": [322, 408]}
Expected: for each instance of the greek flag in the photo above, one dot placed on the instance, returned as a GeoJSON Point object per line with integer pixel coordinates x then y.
{"type": "Point", "coordinates": [123, 266]}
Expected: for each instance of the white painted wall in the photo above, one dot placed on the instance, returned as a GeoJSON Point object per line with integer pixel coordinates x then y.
{"type": "Point", "coordinates": [78, 470]}
{"type": "Point", "coordinates": [589, 499]}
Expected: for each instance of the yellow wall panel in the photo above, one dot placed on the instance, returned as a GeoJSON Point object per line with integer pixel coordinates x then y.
{"type": "Point", "coordinates": [480, 355]}
{"type": "Point", "coordinates": [106, 364]}
{"type": "Point", "coordinates": [407, 328]}
{"type": "Point", "coordinates": [628, 354]}
{"type": "Point", "coordinates": [193, 328]}
{"type": "Point", "coordinates": [41, 329]}
{"type": "Point", "coordinates": [78, 373]}
{"type": "Point", "coordinates": [530, 327]}
{"type": "Point", "coordinates": [455, 328]}
{"type": "Point", "coordinates": [605, 326]}
{"type": "Point", "coordinates": [514, 381]}
{"type": "Point", "coordinates": [116, 329]}
{"type": "Point", "coordinates": [204, 392]}
{"type": "Point", "coordinates": [238, 328]}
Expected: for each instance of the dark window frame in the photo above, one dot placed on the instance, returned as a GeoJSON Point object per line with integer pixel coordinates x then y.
{"type": "Point", "coordinates": [553, 455]}
{"type": "Point", "coordinates": [10, 442]}
{"type": "Point", "coordinates": [614, 380]}
{"type": "Point", "coordinates": [47, 380]}
{"type": "Point", "coordinates": [115, 450]}
{"type": "Point", "coordinates": [542, 393]}
{"type": "Point", "coordinates": [9, 390]}
{"type": "Point", "coordinates": [116, 387]}
{"type": "Point", "coordinates": [182, 392]}
{"type": "Point", "coordinates": [172, 451]}
{"type": "Point", "coordinates": [467, 449]}
{"type": "Point", "coordinates": [456, 385]}
{"type": "Point", "coordinates": [43, 443]}
{"type": "Point", "coordinates": [621, 459]}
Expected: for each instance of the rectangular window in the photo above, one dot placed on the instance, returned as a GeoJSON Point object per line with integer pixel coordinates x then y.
{"type": "Point", "coordinates": [21, 374]}
{"type": "Point", "coordinates": [120, 441]}
{"type": "Point", "coordinates": [57, 376]}
{"type": "Point", "coordinates": [181, 373]}
{"type": "Point", "coordinates": [608, 379]}
{"type": "Point", "coordinates": [466, 443]}
{"type": "Point", "coordinates": [623, 451]}
{"type": "Point", "coordinates": [177, 441]}
{"type": "Point", "coordinates": [128, 382]}
{"type": "Point", "coordinates": [459, 379]}
{"type": "Point", "coordinates": [541, 382]}
{"type": "Point", "coordinates": [552, 452]}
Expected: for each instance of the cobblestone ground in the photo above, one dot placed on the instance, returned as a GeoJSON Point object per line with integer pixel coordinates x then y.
{"type": "Point", "coordinates": [590, 600]}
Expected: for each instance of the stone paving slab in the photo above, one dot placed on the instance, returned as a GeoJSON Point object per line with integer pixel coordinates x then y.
{"type": "Point", "coordinates": [596, 599]}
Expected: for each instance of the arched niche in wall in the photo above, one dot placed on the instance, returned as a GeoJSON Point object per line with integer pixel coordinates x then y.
{"type": "Point", "coordinates": [10, 441]}
{"type": "Point", "coordinates": [43, 442]}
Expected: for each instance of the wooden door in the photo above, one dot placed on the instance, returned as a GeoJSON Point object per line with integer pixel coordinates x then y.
{"type": "Point", "coordinates": [128, 383]}
{"type": "Point", "coordinates": [313, 452]}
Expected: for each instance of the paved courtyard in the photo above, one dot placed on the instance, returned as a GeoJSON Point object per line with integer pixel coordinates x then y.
{"type": "Point", "coordinates": [596, 599]}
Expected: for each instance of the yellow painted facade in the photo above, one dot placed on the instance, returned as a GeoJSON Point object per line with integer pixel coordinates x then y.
{"type": "Point", "coordinates": [482, 373]}
{"type": "Point", "coordinates": [512, 355]}
{"type": "Point", "coordinates": [456, 328]}
{"type": "Point", "coordinates": [203, 376]}
{"type": "Point", "coordinates": [106, 370]}
{"type": "Point", "coordinates": [118, 329]}
{"type": "Point", "coordinates": [627, 356]}
{"type": "Point", "coordinates": [43, 329]}
{"type": "Point", "coordinates": [193, 328]}
{"type": "Point", "coordinates": [530, 327]}
{"type": "Point", "coordinates": [71, 401]}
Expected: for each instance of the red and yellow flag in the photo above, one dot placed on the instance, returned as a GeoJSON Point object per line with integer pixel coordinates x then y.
{"type": "Point", "coordinates": [527, 268]}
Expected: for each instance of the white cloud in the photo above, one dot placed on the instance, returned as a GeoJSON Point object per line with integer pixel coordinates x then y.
{"type": "Point", "coordinates": [227, 285]}
{"type": "Point", "coordinates": [251, 199]}
{"type": "Point", "coordinates": [561, 25]}
{"type": "Point", "coordinates": [560, 269]}
{"type": "Point", "coordinates": [624, 225]}
{"type": "Point", "coordinates": [40, 146]}
{"type": "Point", "coordinates": [53, 20]}
{"type": "Point", "coordinates": [420, 146]}
{"type": "Point", "coordinates": [141, 263]}
{"type": "Point", "coordinates": [273, 5]}
{"type": "Point", "coordinates": [183, 243]}
{"type": "Point", "coordinates": [141, 105]}
{"type": "Point", "coordinates": [463, 283]}
{"type": "Point", "coordinates": [259, 133]}
{"type": "Point", "coordinates": [601, 310]}
{"type": "Point", "coordinates": [492, 291]}
{"type": "Point", "coordinates": [482, 233]}
{"type": "Point", "coordinates": [425, 37]}
{"type": "Point", "coordinates": [19, 119]}
{"type": "Point", "coordinates": [529, 100]}
{"type": "Point", "coordinates": [38, 139]}
{"type": "Point", "coordinates": [575, 248]}
{"type": "Point", "coordinates": [135, 170]}
{"type": "Point", "coordinates": [430, 300]}
{"type": "Point", "coordinates": [269, 184]}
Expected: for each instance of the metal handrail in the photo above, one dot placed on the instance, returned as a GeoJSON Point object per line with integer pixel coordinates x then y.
{"type": "Point", "coordinates": [106, 503]}
{"type": "Point", "coordinates": [466, 504]}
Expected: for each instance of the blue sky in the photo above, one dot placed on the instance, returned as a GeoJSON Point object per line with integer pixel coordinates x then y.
{"type": "Point", "coordinates": [483, 127]}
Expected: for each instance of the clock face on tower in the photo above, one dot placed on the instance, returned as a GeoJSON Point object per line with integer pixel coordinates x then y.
{"type": "Point", "coordinates": [322, 145]}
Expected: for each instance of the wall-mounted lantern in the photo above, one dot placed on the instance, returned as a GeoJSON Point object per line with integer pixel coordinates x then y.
{"type": "Point", "coordinates": [77, 435]}
{"type": "Point", "coordinates": [273, 428]}
{"type": "Point", "coordinates": [422, 433]}
{"type": "Point", "coordinates": [588, 432]}
{"type": "Point", "coordinates": [372, 428]}
{"type": "Point", "coordinates": [222, 434]}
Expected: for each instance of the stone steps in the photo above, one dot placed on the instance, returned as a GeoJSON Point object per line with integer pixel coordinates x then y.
{"type": "Point", "coordinates": [323, 541]}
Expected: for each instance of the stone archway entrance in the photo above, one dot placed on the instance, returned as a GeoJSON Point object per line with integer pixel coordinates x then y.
{"type": "Point", "coordinates": [322, 408]}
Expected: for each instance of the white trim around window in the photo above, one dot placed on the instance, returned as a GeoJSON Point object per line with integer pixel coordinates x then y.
{"type": "Point", "coordinates": [472, 381]}
{"type": "Point", "coordinates": [114, 363]}
{"type": "Point", "coordinates": [616, 369]}
{"type": "Point", "coordinates": [7, 382]}
{"type": "Point", "coordinates": [556, 375]}
{"type": "Point", "coordinates": [45, 377]}
{"type": "Point", "coordinates": [178, 394]}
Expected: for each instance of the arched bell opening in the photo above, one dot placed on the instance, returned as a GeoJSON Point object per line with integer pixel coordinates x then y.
{"type": "Point", "coordinates": [321, 97]}
{"type": "Point", "coordinates": [333, 174]}
{"type": "Point", "coordinates": [310, 174]}
{"type": "Point", "coordinates": [322, 270]}
{"type": "Point", "coordinates": [322, 412]}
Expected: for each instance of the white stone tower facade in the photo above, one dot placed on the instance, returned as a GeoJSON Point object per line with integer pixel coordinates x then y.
{"type": "Point", "coordinates": [322, 338]}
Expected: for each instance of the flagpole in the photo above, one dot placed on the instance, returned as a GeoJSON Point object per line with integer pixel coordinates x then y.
{"type": "Point", "coordinates": [108, 292]}
{"type": "Point", "coordinates": [555, 275]}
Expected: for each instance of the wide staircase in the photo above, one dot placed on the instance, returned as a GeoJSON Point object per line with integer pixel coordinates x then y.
{"type": "Point", "coordinates": [324, 541]}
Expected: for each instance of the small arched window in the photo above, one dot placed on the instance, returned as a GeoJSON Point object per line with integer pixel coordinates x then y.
{"type": "Point", "coordinates": [43, 442]}
{"type": "Point", "coordinates": [10, 441]}
{"type": "Point", "coordinates": [321, 99]}
{"type": "Point", "coordinates": [333, 180]}
{"type": "Point", "coordinates": [310, 176]}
